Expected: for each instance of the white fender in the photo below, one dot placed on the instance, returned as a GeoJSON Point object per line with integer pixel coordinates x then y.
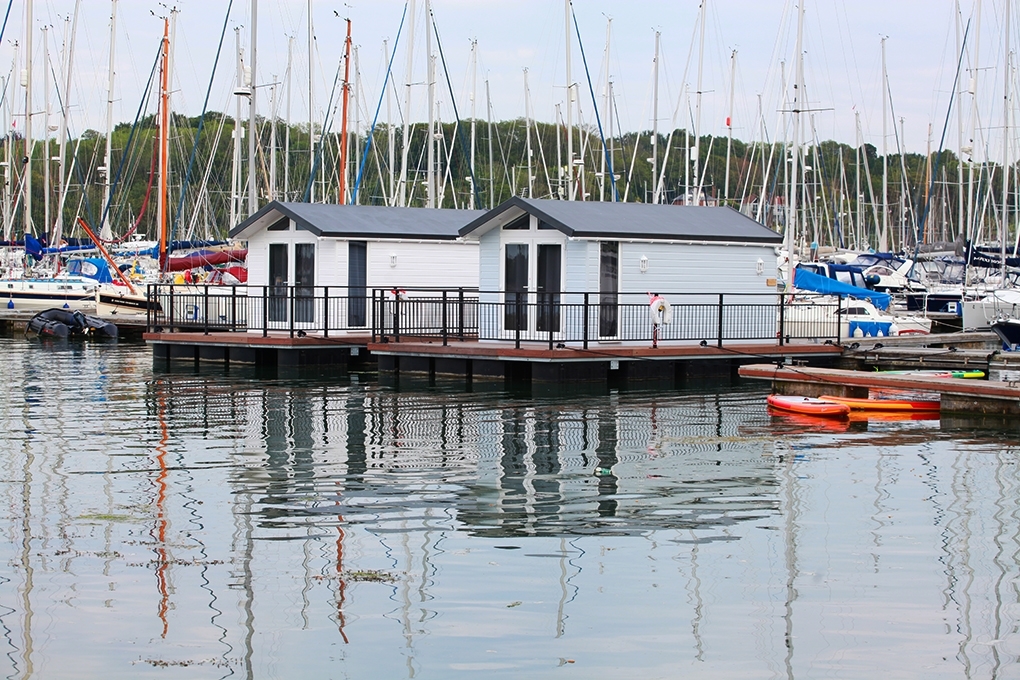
{"type": "Point", "coordinates": [660, 310]}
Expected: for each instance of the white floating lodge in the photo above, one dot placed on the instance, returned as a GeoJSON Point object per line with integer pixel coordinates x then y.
{"type": "Point", "coordinates": [345, 251]}
{"type": "Point", "coordinates": [599, 261]}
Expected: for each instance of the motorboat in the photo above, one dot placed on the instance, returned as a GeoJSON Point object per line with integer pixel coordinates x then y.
{"type": "Point", "coordinates": [64, 323]}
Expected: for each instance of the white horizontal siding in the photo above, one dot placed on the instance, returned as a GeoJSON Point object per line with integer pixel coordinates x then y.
{"type": "Point", "coordinates": [695, 269]}
{"type": "Point", "coordinates": [449, 264]}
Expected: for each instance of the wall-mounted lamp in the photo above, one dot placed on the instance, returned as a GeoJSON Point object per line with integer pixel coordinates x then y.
{"type": "Point", "coordinates": [643, 263]}
{"type": "Point", "coordinates": [393, 259]}
{"type": "Point", "coordinates": [759, 267]}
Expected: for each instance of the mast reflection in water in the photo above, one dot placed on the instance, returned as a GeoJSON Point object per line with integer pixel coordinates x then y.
{"type": "Point", "coordinates": [221, 523]}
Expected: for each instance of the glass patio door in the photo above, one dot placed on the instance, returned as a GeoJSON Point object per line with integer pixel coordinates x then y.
{"type": "Point", "coordinates": [278, 279]}
{"type": "Point", "coordinates": [515, 286]}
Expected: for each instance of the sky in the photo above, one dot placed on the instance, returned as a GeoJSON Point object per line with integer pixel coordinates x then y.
{"type": "Point", "coordinates": [842, 56]}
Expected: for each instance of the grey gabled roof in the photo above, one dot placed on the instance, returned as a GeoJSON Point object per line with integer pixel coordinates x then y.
{"type": "Point", "coordinates": [360, 221]}
{"type": "Point", "coordinates": [592, 219]}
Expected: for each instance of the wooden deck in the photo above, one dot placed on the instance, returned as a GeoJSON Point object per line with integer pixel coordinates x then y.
{"type": "Point", "coordinates": [605, 352]}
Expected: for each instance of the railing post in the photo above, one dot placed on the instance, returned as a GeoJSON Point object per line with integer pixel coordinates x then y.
{"type": "Point", "coordinates": [584, 334]}
{"type": "Point", "coordinates": [233, 308]}
{"type": "Point", "coordinates": [170, 325]}
{"type": "Point", "coordinates": [460, 314]}
{"type": "Point", "coordinates": [205, 311]}
{"type": "Point", "coordinates": [782, 317]}
{"type": "Point", "coordinates": [325, 311]}
{"type": "Point", "coordinates": [374, 315]}
{"type": "Point", "coordinates": [720, 331]}
{"type": "Point", "coordinates": [445, 332]}
{"type": "Point", "coordinates": [148, 307]}
{"type": "Point", "coordinates": [839, 319]}
{"type": "Point", "coordinates": [396, 315]}
{"type": "Point", "coordinates": [265, 311]}
{"type": "Point", "coordinates": [517, 321]}
{"type": "Point", "coordinates": [290, 317]}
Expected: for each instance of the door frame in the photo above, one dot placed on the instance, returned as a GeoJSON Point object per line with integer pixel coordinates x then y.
{"type": "Point", "coordinates": [532, 237]}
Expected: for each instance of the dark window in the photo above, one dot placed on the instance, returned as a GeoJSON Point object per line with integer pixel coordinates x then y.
{"type": "Point", "coordinates": [278, 272]}
{"type": "Point", "coordinates": [282, 224]}
{"type": "Point", "coordinates": [522, 222]}
{"type": "Point", "coordinates": [609, 288]}
{"type": "Point", "coordinates": [549, 262]}
{"type": "Point", "coordinates": [357, 281]}
{"type": "Point", "coordinates": [304, 282]}
{"type": "Point", "coordinates": [515, 280]}
{"type": "Point", "coordinates": [545, 225]}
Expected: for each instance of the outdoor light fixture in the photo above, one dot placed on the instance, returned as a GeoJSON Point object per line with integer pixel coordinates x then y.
{"type": "Point", "coordinates": [643, 263]}
{"type": "Point", "coordinates": [759, 267]}
{"type": "Point", "coordinates": [393, 259]}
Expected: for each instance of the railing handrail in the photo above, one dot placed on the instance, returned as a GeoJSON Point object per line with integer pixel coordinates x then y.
{"type": "Point", "coordinates": [463, 313]}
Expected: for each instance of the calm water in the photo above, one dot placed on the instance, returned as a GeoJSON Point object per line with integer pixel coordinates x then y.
{"type": "Point", "coordinates": [203, 524]}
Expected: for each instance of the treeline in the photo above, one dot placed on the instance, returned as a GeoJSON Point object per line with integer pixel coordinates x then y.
{"type": "Point", "coordinates": [839, 188]}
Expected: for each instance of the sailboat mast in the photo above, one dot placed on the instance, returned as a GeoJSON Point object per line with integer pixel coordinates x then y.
{"type": "Point", "coordinates": [611, 104]}
{"type": "Point", "coordinates": [971, 229]}
{"type": "Point", "coordinates": [1004, 226]}
{"type": "Point", "coordinates": [273, 105]}
{"type": "Point", "coordinates": [798, 93]}
{"type": "Point", "coordinates": [527, 134]}
{"type": "Point", "coordinates": [235, 175]}
{"type": "Point", "coordinates": [570, 107]}
{"type": "Point", "coordinates": [344, 143]}
{"type": "Point", "coordinates": [390, 138]}
{"type": "Point", "coordinates": [311, 104]}
{"type": "Point", "coordinates": [105, 228]}
{"type": "Point", "coordinates": [28, 115]}
{"type": "Point", "coordinates": [8, 165]}
{"type": "Point", "coordinates": [492, 173]}
{"type": "Point", "coordinates": [729, 126]}
{"type": "Point", "coordinates": [697, 102]}
{"type": "Point", "coordinates": [607, 107]}
{"type": "Point", "coordinates": [474, 118]}
{"type": "Point", "coordinates": [252, 112]}
{"type": "Point", "coordinates": [46, 130]}
{"type": "Point", "coordinates": [959, 133]}
{"type": "Point", "coordinates": [655, 121]}
{"type": "Point", "coordinates": [164, 149]}
{"type": "Point", "coordinates": [405, 140]}
{"type": "Point", "coordinates": [430, 138]}
{"type": "Point", "coordinates": [883, 239]}
{"type": "Point", "coordinates": [286, 133]}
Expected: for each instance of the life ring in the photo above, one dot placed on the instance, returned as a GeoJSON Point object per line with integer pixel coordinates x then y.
{"type": "Point", "coordinates": [660, 310]}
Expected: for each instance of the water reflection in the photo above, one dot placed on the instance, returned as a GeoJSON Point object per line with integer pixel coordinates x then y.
{"type": "Point", "coordinates": [236, 524]}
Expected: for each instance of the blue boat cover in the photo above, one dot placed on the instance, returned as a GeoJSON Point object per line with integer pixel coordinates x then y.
{"type": "Point", "coordinates": [92, 267]}
{"type": "Point", "coordinates": [805, 280]}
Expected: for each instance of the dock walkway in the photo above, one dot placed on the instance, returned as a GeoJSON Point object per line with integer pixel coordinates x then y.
{"type": "Point", "coordinates": [957, 395]}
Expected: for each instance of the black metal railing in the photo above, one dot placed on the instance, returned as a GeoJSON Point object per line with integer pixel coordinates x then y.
{"type": "Point", "coordinates": [563, 318]}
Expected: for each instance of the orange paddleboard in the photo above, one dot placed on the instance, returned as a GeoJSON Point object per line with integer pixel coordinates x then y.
{"type": "Point", "coordinates": [808, 406]}
{"type": "Point", "coordinates": [884, 404]}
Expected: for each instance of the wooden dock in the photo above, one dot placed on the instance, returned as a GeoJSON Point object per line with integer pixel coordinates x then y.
{"type": "Point", "coordinates": [959, 396]}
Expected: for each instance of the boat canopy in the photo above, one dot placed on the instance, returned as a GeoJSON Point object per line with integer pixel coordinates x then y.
{"type": "Point", "coordinates": [92, 267]}
{"type": "Point", "coordinates": [805, 280]}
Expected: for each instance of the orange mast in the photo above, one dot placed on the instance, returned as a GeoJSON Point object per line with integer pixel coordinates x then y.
{"type": "Point", "coordinates": [343, 128]}
{"type": "Point", "coordinates": [164, 135]}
